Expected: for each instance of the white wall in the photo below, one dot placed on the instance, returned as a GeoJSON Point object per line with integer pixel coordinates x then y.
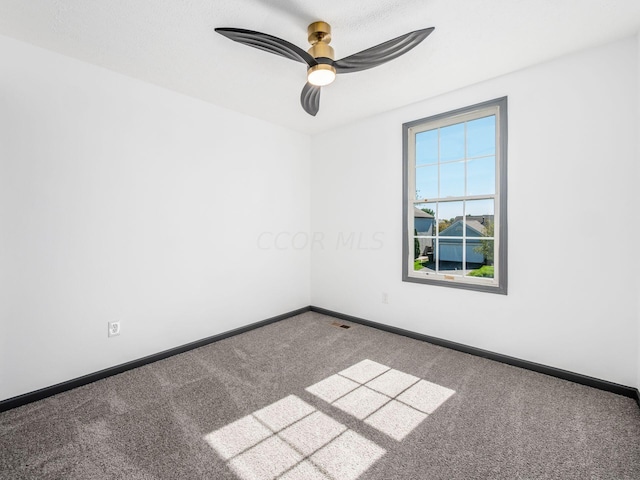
{"type": "Point", "coordinates": [121, 200]}
{"type": "Point", "coordinates": [572, 302]}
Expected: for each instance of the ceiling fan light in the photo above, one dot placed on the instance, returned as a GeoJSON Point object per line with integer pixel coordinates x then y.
{"type": "Point", "coordinates": [321, 75]}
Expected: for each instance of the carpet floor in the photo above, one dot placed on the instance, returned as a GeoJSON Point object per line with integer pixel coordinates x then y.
{"type": "Point", "coordinates": [304, 399]}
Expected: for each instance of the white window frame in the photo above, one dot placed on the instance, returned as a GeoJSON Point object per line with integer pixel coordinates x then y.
{"type": "Point", "coordinates": [498, 284]}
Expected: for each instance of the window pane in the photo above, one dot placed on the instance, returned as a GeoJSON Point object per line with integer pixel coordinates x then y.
{"type": "Point", "coordinates": [480, 218]}
{"type": "Point", "coordinates": [452, 142]}
{"type": "Point", "coordinates": [449, 257]}
{"type": "Point", "coordinates": [423, 252]}
{"type": "Point", "coordinates": [427, 147]}
{"type": "Point", "coordinates": [424, 219]}
{"type": "Point", "coordinates": [481, 176]}
{"type": "Point", "coordinates": [480, 258]}
{"type": "Point", "coordinates": [427, 182]}
{"type": "Point", "coordinates": [481, 137]}
{"type": "Point", "coordinates": [480, 208]}
{"type": "Point", "coordinates": [448, 214]}
{"type": "Point", "coordinates": [452, 179]}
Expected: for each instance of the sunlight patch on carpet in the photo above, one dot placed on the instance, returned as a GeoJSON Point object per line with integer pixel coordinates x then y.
{"type": "Point", "coordinates": [388, 400]}
{"type": "Point", "coordinates": [290, 439]}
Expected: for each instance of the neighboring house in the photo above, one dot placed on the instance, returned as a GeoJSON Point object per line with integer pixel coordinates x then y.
{"type": "Point", "coordinates": [451, 248]}
{"type": "Point", "coordinates": [423, 223]}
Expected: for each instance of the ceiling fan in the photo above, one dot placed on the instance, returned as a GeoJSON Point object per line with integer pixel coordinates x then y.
{"type": "Point", "coordinates": [322, 68]}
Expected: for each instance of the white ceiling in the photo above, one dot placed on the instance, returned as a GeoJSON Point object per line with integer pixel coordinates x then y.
{"type": "Point", "coordinates": [172, 43]}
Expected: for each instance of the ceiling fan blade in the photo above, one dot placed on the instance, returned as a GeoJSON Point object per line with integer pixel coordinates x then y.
{"type": "Point", "coordinates": [310, 99]}
{"type": "Point", "coordinates": [374, 56]}
{"type": "Point", "coordinates": [268, 43]}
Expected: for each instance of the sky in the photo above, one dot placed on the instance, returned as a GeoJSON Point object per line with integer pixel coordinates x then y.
{"type": "Point", "coordinates": [441, 152]}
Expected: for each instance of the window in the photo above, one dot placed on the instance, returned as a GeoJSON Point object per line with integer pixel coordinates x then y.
{"type": "Point", "coordinates": [455, 198]}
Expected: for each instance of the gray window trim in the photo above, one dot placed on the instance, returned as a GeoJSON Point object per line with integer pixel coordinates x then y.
{"type": "Point", "coordinates": [501, 288]}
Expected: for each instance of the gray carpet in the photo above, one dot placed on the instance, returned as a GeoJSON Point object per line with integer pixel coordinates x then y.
{"type": "Point", "coordinates": [302, 399]}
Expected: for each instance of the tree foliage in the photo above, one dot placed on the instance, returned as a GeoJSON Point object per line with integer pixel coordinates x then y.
{"type": "Point", "coordinates": [444, 224]}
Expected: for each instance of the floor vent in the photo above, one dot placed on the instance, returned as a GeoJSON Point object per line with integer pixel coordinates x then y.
{"type": "Point", "coordinates": [340, 325]}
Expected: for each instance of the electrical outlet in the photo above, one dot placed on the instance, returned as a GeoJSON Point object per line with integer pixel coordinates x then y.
{"type": "Point", "coordinates": [114, 329]}
{"type": "Point", "coordinates": [385, 297]}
